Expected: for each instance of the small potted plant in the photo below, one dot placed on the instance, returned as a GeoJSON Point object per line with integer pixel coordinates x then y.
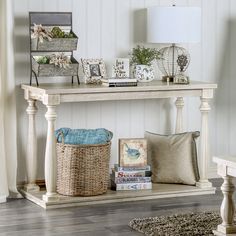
{"type": "Point", "coordinates": [141, 59]}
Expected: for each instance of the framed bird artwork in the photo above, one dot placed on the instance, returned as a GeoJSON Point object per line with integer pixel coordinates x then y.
{"type": "Point", "coordinates": [133, 152]}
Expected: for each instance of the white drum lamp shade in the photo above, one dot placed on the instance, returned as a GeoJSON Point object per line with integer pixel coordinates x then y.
{"type": "Point", "coordinates": [174, 24]}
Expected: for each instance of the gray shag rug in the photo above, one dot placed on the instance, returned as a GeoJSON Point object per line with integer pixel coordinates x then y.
{"type": "Point", "coordinates": [194, 224]}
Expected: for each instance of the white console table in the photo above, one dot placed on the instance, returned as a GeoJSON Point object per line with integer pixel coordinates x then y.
{"type": "Point", "coordinates": [51, 95]}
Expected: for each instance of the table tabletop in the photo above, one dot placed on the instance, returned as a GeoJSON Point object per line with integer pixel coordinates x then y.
{"type": "Point", "coordinates": [156, 85]}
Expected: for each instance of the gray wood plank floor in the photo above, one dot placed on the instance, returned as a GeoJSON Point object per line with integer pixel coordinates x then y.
{"type": "Point", "coordinates": [21, 217]}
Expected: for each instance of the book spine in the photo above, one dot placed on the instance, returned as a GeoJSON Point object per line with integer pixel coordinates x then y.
{"type": "Point", "coordinates": [120, 168]}
{"type": "Point", "coordinates": [120, 180]}
{"type": "Point", "coordinates": [131, 173]}
{"type": "Point", "coordinates": [122, 84]}
{"type": "Point", "coordinates": [132, 186]}
{"type": "Point", "coordinates": [119, 80]}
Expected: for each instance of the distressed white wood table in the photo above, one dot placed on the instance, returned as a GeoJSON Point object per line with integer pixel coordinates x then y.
{"type": "Point", "coordinates": [51, 95]}
{"type": "Point", "coordinates": [226, 168]}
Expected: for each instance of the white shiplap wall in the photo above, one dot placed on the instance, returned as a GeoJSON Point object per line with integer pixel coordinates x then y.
{"type": "Point", "coordinates": [109, 29]}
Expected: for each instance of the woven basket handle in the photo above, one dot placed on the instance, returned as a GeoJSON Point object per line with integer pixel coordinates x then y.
{"type": "Point", "coordinates": [62, 137]}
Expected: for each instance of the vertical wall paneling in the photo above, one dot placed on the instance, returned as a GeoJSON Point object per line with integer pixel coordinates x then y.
{"type": "Point", "coordinates": [21, 49]}
{"type": "Point", "coordinates": [211, 72]}
{"type": "Point", "coordinates": [49, 5]}
{"type": "Point", "coordinates": [108, 33]}
{"type": "Point", "coordinates": [41, 129]}
{"type": "Point", "coordinates": [79, 110]}
{"type": "Point", "coordinates": [108, 121]}
{"type": "Point", "coordinates": [195, 71]}
{"type": "Point", "coordinates": [137, 36]}
{"type": "Point", "coordinates": [122, 27]}
{"type": "Point", "coordinates": [186, 108]}
{"type": "Point", "coordinates": [123, 119]}
{"type": "Point", "coordinates": [166, 105]}
{"type": "Point", "coordinates": [110, 28]}
{"type": "Point", "coordinates": [150, 3]}
{"type": "Point", "coordinates": [20, 6]}
{"type": "Point", "coordinates": [21, 41]}
{"type": "Point", "coordinates": [64, 121]}
{"type": "Point", "coordinates": [108, 53]}
{"type": "Point", "coordinates": [222, 76]}
{"type": "Point", "coordinates": [64, 5]}
{"type": "Point", "coordinates": [193, 123]}
{"type": "Point", "coordinates": [93, 115]}
{"type": "Point", "coordinates": [152, 107]}
{"type": "Point", "coordinates": [181, 3]}
{"type": "Point", "coordinates": [137, 22]}
{"type": "Point", "coordinates": [93, 31]}
{"type": "Point", "coordinates": [80, 27]}
{"type": "Point", "coordinates": [167, 2]}
{"type": "Point", "coordinates": [123, 36]}
{"type": "Point", "coordinates": [151, 116]}
{"type": "Point", "coordinates": [232, 81]}
{"type": "Point", "coordinates": [35, 5]}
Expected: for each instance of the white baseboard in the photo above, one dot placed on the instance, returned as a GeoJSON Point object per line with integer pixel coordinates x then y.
{"type": "Point", "coordinates": [3, 199]}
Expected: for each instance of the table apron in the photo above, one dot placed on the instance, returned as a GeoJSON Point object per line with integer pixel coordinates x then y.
{"type": "Point", "coordinates": [128, 95]}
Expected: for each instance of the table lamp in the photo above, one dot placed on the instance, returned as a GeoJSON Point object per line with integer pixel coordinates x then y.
{"type": "Point", "coordinates": [174, 25]}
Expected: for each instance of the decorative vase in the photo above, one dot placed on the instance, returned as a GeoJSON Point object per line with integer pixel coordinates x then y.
{"type": "Point", "coordinates": [144, 73]}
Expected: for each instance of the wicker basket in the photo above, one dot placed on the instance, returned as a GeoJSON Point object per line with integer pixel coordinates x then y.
{"type": "Point", "coordinates": [82, 170]}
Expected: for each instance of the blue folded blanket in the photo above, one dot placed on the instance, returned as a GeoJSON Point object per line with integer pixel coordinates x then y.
{"type": "Point", "coordinates": [84, 136]}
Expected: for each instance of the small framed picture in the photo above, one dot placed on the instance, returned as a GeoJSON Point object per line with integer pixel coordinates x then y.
{"type": "Point", "coordinates": [181, 79]}
{"type": "Point", "coordinates": [133, 152]}
{"type": "Point", "coordinates": [94, 70]}
{"type": "Point", "coordinates": [120, 68]}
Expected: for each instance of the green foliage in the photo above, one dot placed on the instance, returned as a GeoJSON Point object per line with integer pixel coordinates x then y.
{"type": "Point", "coordinates": [144, 56]}
{"type": "Point", "coordinates": [43, 60]}
{"type": "Point", "coordinates": [58, 33]}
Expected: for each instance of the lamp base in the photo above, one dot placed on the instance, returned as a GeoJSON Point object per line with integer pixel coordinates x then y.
{"type": "Point", "coordinates": [166, 78]}
{"type": "Point", "coordinates": [174, 60]}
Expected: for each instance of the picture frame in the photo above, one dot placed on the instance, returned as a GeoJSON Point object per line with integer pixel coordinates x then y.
{"type": "Point", "coordinates": [121, 68]}
{"type": "Point", "coordinates": [133, 152]}
{"type": "Point", "coordinates": [94, 70]}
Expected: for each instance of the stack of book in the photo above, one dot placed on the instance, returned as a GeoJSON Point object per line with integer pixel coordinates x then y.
{"type": "Point", "coordinates": [131, 178]}
{"type": "Point", "coordinates": [119, 82]}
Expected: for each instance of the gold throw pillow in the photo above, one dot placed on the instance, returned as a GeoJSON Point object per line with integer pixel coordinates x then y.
{"type": "Point", "coordinates": [173, 158]}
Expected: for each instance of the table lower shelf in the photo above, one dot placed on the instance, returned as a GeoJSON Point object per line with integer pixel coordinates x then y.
{"type": "Point", "coordinates": [158, 191]}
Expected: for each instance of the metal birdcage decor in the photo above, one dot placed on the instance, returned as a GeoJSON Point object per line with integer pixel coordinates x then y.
{"type": "Point", "coordinates": [174, 60]}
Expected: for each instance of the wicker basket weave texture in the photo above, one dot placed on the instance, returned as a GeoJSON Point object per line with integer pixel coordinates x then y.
{"type": "Point", "coordinates": [83, 170]}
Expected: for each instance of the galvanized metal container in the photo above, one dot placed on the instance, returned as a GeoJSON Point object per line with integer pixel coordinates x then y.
{"type": "Point", "coordinates": [50, 70]}
{"type": "Point", "coordinates": [56, 45]}
{"type": "Point", "coordinates": [63, 20]}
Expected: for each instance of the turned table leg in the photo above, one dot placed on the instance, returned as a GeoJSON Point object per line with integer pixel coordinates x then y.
{"type": "Point", "coordinates": [31, 155]}
{"type": "Point", "coordinates": [227, 209]}
{"type": "Point", "coordinates": [179, 103]}
{"type": "Point", "coordinates": [204, 144]}
{"type": "Point", "coordinates": [50, 156]}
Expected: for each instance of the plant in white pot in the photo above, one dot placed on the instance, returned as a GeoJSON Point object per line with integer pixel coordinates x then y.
{"type": "Point", "coordinates": [141, 59]}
